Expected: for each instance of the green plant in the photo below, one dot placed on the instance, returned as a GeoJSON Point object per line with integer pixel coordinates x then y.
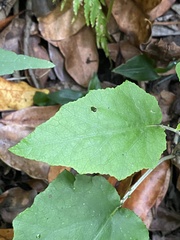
{"type": "Point", "coordinates": [112, 131]}
{"type": "Point", "coordinates": [142, 68]}
{"type": "Point", "coordinates": [95, 17]}
{"type": "Point", "coordinates": [65, 95]}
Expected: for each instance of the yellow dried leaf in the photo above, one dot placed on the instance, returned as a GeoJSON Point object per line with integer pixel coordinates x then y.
{"type": "Point", "coordinates": [14, 96]}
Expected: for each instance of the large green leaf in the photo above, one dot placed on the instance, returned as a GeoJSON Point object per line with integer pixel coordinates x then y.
{"type": "Point", "coordinates": [109, 131]}
{"type": "Point", "coordinates": [140, 68]}
{"type": "Point", "coordinates": [81, 208]}
{"type": "Point", "coordinates": [10, 62]}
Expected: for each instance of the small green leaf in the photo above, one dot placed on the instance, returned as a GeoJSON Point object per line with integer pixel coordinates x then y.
{"type": "Point", "coordinates": [78, 208]}
{"type": "Point", "coordinates": [42, 99]}
{"type": "Point", "coordinates": [10, 62]}
{"type": "Point", "coordinates": [60, 97]}
{"type": "Point", "coordinates": [140, 68]}
{"type": "Point", "coordinates": [76, 6]}
{"type": "Point", "coordinates": [65, 95]}
{"type": "Point", "coordinates": [178, 70]}
{"type": "Point", "coordinates": [178, 127]}
{"type": "Point", "coordinates": [94, 83]}
{"type": "Point", "coordinates": [119, 138]}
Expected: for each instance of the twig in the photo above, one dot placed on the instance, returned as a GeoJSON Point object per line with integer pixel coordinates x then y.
{"type": "Point", "coordinates": [166, 23]}
{"type": "Point", "coordinates": [170, 129]}
{"type": "Point", "coordinates": [126, 196]}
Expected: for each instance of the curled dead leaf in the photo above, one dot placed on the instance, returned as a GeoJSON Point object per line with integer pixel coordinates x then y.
{"type": "Point", "coordinates": [14, 96]}
{"type": "Point", "coordinates": [81, 56]}
{"type": "Point", "coordinates": [132, 20]}
{"type": "Point", "coordinates": [149, 192]}
{"type": "Point", "coordinates": [14, 127]}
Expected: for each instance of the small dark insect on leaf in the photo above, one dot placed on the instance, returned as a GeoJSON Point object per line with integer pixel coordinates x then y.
{"type": "Point", "coordinates": [93, 109]}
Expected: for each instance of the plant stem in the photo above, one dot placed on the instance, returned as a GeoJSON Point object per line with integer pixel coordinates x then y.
{"type": "Point", "coordinates": [170, 129]}
{"type": "Point", "coordinates": [109, 10]}
{"type": "Point", "coordinates": [126, 196]}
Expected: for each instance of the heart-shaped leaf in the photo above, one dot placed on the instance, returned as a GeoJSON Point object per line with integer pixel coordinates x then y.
{"type": "Point", "coordinates": [78, 208]}
{"type": "Point", "coordinates": [111, 131]}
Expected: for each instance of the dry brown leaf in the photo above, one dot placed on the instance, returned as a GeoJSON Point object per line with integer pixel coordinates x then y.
{"type": "Point", "coordinates": [147, 6]}
{"type": "Point", "coordinates": [14, 127]}
{"type": "Point", "coordinates": [128, 51]}
{"type": "Point", "coordinates": [124, 186]}
{"type": "Point", "coordinates": [14, 96]}
{"type": "Point", "coordinates": [58, 24]}
{"type": "Point", "coordinates": [160, 9]}
{"type": "Point", "coordinates": [35, 169]}
{"type": "Point", "coordinates": [6, 21]}
{"type": "Point", "coordinates": [36, 184]}
{"type": "Point", "coordinates": [150, 191]}
{"type": "Point", "coordinates": [113, 29]}
{"type": "Point", "coordinates": [15, 29]}
{"type": "Point", "coordinates": [27, 118]}
{"type": "Point", "coordinates": [6, 234]}
{"type": "Point", "coordinates": [55, 171]}
{"type": "Point", "coordinates": [113, 50]}
{"type": "Point", "coordinates": [81, 56]}
{"type": "Point", "coordinates": [59, 62]}
{"type": "Point", "coordinates": [163, 51]}
{"type": "Point", "coordinates": [165, 100]}
{"type": "Point", "coordinates": [38, 51]}
{"type": "Point", "coordinates": [132, 20]}
{"type": "Point", "coordinates": [14, 201]}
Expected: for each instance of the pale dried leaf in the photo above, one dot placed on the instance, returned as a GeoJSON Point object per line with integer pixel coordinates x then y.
{"type": "Point", "coordinates": [38, 51]}
{"type": "Point", "coordinates": [14, 96]}
{"type": "Point", "coordinates": [160, 9]}
{"type": "Point", "coordinates": [14, 127]}
{"type": "Point", "coordinates": [81, 56]}
{"type": "Point", "coordinates": [58, 24]}
{"type": "Point", "coordinates": [132, 20]}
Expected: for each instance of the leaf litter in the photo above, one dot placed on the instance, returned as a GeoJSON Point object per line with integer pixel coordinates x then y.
{"type": "Point", "coordinates": [77, 58]}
